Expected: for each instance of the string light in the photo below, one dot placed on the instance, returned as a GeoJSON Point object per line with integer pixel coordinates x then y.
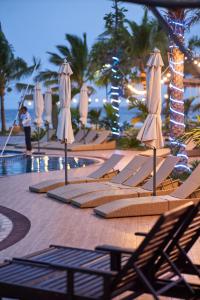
{"type": "Point", "coordinates": [176, 67]}
{"type": "Point", "coordinates": [166, 96]}
{"type": "Point", "coordinates": [115, 93]}
{"type": "Point", "coordinates": [135, 91]}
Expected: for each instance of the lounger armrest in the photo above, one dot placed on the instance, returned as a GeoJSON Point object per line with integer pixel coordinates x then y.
{"type": "Point", "coordinates": [114, 249]}
{"type": "Point", "coordinates": [141, 233]}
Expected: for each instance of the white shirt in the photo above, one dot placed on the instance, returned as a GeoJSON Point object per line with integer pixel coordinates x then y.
{"type": "Point", "coordinates": [26, 119]}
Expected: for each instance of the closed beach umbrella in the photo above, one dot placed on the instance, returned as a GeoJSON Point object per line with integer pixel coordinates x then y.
{"type": "Point", "coordinates": [64, 131]}
{"type": "Point", "coordinates": [151, 131]}
{"type": "Point", "coordinates": [83, 104]}
{"type": "Point", "coordinates": [48, 106]}
{"type": "Point", "coordinates": [38, 105]}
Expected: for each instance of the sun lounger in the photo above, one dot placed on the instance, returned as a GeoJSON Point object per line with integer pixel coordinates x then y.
{"type": "Point", "coordinates": [183, 241]}
{"type": "Point", "coordinates": [153, 205]}
{"type": "Point", "coordinates": [90, 136]}
{"type": "Point", "coordinates": [140, 169]}
{"type": "Point", "coordinates": [191, 149]}
{"type": "Point", "coordinates": [104, 172]}
{"type": "Point", "coordinates": [99, 143]}
{"type": "Point", "coordinates": [79, 136]}
{"type": "Point", "coordinates": [108, 272]}
{"type": "Point", "coordinates": [162, 185]}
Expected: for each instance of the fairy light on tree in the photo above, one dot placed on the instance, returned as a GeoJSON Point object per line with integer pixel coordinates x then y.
{"type": "Point", "coordinates": [115, 94]}
{"type": "Point", "coordinates": [176, 90]}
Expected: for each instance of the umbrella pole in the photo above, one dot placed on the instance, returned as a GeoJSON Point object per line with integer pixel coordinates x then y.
{"type": "Point", "coordinates": [65, 162]}
{"type": "Point", "coordinates": [47, 132]}
{"type": "Point", "coordinates": [84, 133]}
{"type": "Point", "coordinates": [154, 171]}
{"type": "Point", "coordinates": [38, 131]}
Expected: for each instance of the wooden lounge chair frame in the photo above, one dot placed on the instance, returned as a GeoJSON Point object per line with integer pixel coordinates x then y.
{"type": "Point", "coordinates": [80, 135]}
{"type": "Point", "coordinates": [37, 279]}
{"type": "Point", "coordinates": [139, 173]}
{"type": "Point", "coordinates": [99, 143]}
{"type": "Point", "coordinates": [163, 185]}
{"type": "Point", "coordinates": [104, 172]}
{"type": "Point", "coordinates": [154, 205]}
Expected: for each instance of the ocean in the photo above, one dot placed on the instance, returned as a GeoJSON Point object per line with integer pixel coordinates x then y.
{"type": "Point", "coordinates": [125, 115]}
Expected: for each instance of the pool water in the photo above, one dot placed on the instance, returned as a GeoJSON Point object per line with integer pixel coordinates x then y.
{"type": "Point", "coordinates": [27, 164]}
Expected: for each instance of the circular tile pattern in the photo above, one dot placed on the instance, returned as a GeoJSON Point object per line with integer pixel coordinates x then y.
{"type": "Point", "coordinates": [13, 227]}
{"type": "Point", "coordinates": [6, 226]}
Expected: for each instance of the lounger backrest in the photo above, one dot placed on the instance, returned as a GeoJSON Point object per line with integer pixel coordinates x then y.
{"type": "Point", "coordinates": [107, 166]}
{"type": "Point", "coordinates": [148, 252]}
{"type": "Point", "coordinates": [143, 172]}
{"type": "Point", "coordinates": [90, 136]}
{"type": "Point", "coordinates": [130, 169]}
{"type": "Point", "coordinates": [163, 172]}
{"type": "Point", "coordinates": [101, 137]}
{"type": "Point", "coordinates": [185, 237]}
{"type": "Point", "coordinates": [189, 186]}
{"type": "Point", "coordinates": [80, 135]}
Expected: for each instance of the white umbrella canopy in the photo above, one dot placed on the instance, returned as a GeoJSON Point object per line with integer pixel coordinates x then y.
{"type": "Point", "coordinates": [38, 105]}
{"type": "Point", "coordinates": [48, 106]}
{"type": "Point", "coordinates": [151, 131]}
{"type": "Point", "coordinates": [64, 130]}
{"type": "Point", "coordinates": [83, 104]}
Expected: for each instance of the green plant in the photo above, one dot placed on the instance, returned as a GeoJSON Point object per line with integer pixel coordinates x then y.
{"type": "Point", "coordinates": [110, 118]}
{"type": "Point", "coordinates": [192, 134]}
{"type": "Point", "coordinates": [194, 164]}
{"type": "Point", "coordinates": [38, 135]}
{"type": "Point", "coordinates": [11, 68]}
{"type": "Point", "coordinates": [75, 116]}
{"type": "Point", "coordinates": [129, 139]}
{"type": "Point", "coordinates": [94, 116]}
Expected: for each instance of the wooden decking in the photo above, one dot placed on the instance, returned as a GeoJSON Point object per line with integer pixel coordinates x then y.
{"type": "Point", "coordinates": [54, 222]}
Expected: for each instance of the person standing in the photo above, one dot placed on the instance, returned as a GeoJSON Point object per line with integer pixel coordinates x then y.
{"type": "Point", "coordinates": [25, 118]}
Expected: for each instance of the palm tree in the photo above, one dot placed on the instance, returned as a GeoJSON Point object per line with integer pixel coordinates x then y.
{"type": "Point", "coordinates": [139, 108]}
{"type": "Point", "coordinates": [110, 119]}
{"type": "Point", "coordinates": [11, 68]}
{"type": "Point", "coordinates": [94, 116]}
{"type": "Point", "coordinates": [179, 20]}
{"type": "Point", "coordinates": [77, 53]}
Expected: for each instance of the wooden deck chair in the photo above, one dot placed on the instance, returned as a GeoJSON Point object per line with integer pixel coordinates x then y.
{"type": "Point", "coordinates": [89, 138]}
{"type": "Point", "coordinates": [105, 273]}
{"type": "Point", "coordinates": [153, 205]}
{"type": "Point", "coordinates": [98, 143]}
{"type": "Point", "coordinates": [104, 172]}
{"type": "Point", "coordinates": [141, 169]}
{"type": "Point", "coordinates": [183, 241]}
{"type": "Point", "coordinates": [190, 145]}
{"type": "Point", "coordinates": [162, 185]}
{"type": "Point", "coordinates": [79, 136]}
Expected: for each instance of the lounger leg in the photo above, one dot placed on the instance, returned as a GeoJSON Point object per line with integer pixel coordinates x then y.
{"type": "Point", "coordinates": [178, 273]}
{"type": "Point", "coordinates": [146, 282]}
{"type": "Point", "coordinates": [193, 267]}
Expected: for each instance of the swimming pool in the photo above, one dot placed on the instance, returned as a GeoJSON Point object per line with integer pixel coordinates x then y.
{"type": "Point", "coordinates": [21, 164]}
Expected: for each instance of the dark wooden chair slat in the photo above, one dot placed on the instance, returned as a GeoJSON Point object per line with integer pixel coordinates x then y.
{"type": "Point", "coordinates": [89, 276]}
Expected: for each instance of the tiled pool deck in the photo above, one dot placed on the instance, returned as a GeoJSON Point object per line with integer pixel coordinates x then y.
{"type": "Point", "coordinates": [6, 227]}
{"type": "Point", "coordinates": [54, 222]}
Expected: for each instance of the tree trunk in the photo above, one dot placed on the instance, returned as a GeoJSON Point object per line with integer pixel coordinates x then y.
{"type": "Point", "coordinates": [167, 112]}
{"type": "Point", "coordinates": [177, 124]}
{"type": "Point", "coordinates": [54, 115]}
{"type": "Point", "coordinates": [3, 119]}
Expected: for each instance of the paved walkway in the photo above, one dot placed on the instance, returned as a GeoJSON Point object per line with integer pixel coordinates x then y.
{"type": "Point", "coordinates": [54, 222]}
